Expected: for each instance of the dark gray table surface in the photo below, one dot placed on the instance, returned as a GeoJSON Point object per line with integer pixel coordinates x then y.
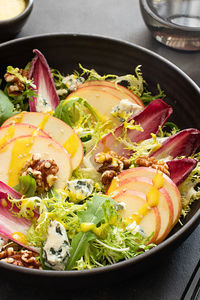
{"type": "Point", "coordinates": [121, 20]}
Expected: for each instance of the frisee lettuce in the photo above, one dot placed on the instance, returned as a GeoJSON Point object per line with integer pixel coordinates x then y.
{"type": "Point", "coordinates": [79, 114]}
{"type": "Point", "coordinates": [190, 188]}
{"type": "Point", "coordinates": [135, 82]}
{"type": "Point", "coordinates": [147, 96]}
{"type": "Point", "coordinates": [26, 206]}
{"type": "Point", "coordinates": [99, 210]}
{"type": "Point", "coordinates": [118, 245]}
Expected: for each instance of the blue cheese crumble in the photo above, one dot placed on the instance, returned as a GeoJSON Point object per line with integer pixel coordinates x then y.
{"type": "Point", "coordinates": [120, 206]}
{"type": "Point", "coordinates": [124, 109]}
{"type": "Point", "coordinates": [80, 189]}
{"type": "Point", "coordinates": [134, 228]}
{"type": "Point", "coordinates": [72, 82]}
{"type": "Point", "coordinates": [56, 247]}
{"type": "Point", "coordinates": [42, 104]}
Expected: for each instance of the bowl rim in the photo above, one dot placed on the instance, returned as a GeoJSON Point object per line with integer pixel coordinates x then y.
{"type": "Point", "coordinates": [188, 227]}
{"type": "Point", "coordinates": [147, 8]}
{"type": "Point", "coordinates": [29, 5]}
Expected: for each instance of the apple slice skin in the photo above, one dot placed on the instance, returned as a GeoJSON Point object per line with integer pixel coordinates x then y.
{"type": "Point", "coordinates": [134, 200]}
{"type": "Point", "coordinates": [118, 90]}
{"type": "Point", "coordinates": [46, 147]}
{"type": "Point", "coordinates": [148, 172]}
{"type": "Point", "coordinates": [12, 131]}
{"type": "Point", "coordinates": [165, 206]}
{"type": "Point", "coordinates": [55, 128]}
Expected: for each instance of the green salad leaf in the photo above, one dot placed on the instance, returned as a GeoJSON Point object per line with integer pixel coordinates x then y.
{"type": "Point", "coordinates": [6, 108]}
{"type": "Point", "coordinates": [26, 186]}
{"type": "Point", "coordinates": [72, 110]}
{"type": "Point", "coordinates": [94, 214]}
{"type": "Point", "coordinates": [78, 246]}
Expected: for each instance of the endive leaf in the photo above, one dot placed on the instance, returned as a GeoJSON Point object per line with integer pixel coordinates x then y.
{"type": "Point", "coordinates": [47, 98]}
{"type": "Point", "coordinates": [180, 169]}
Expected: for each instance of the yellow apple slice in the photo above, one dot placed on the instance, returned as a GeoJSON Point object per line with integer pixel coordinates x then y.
{"type": "Point", "coordinates": [169, 186]}
{"type": "Point", "coordinates": [12, 131]}
{"type": "Point", "coordinates": [15, 154]}
{"type": "Point", "coordinates": [134, 201]}
{"type": "Point", "coordinates": [117, 90]}
{"type": "Point", "coordinates": [165, 206]}
{"type": "Point", "coordinates": [56, 129]}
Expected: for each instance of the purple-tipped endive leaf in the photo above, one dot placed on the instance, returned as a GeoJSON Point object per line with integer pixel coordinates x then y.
{"type": "Point", "coordinates": [180, 169]}
{"type": "Point", "coordinates": [184, 143]}
{"type": "Point", "coordinates": [150, 119]}
{"type": "Point", "coordinates": [9, 224]}
{"type": "Point", "coordinates": [9, 191]}
{"type": "Point", "coordinates": [40, 73]}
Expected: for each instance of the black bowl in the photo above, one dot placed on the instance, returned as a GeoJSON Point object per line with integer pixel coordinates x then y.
{"type": "Point", "coordinates": [106, 55]}
{"type": "Point", "coordinates": [11, 27]}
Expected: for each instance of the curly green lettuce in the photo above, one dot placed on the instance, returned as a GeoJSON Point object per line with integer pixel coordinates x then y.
{"type": "Point", "coordinates": [190, 188]}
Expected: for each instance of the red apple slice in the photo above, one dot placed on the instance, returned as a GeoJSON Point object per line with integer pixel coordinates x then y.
{"type": "Point", "coordinates": [56, 129]}
{"type": "Point", "coordinates": [134, 201]}
{"type": "Point", "coordinates": [169, 186]}
{"type": "Point", "coordinates": [18, 151]}
{"type": "Point", "coordinates": [12, 131]}
{"type": "Point", "coordinates": [117, 90]}
{"type": "Point", "coordinates": [165, 206]}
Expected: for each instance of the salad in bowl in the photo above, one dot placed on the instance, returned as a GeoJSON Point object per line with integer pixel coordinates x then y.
{"type": "Point", "coordinates": [92, 173]}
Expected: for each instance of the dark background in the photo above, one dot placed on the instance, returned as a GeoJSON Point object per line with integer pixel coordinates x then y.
{"type": "Point", "coordinates": [119, 19]}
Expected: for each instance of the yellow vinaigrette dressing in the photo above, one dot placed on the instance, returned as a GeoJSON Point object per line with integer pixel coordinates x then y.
{"type": "Point", "coordinates": [11, 8]}
{"type": "Point", "coordinates": [152, 200]}
{"type": "Point", "coordinates": [71, 144]}
{"type": "Point", "coordinates": [99, 231]}
{"type": "Point", "coordinates": [21, 152]}
{"type": "Point", "coordinates": [19, 237]}
{"type": "Point", "coordinates": [42, 124]}
{"type": "Point", "coordinates": [18, 118]}
{"type": "Point", "coordinates": [8, 136]}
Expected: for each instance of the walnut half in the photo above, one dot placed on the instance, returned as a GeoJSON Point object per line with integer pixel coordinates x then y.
{"type": "Point", "coordinates": [22, 258]}
{"type": "Point", "coordinates": [153, 163]}
{"type": "Point", "coordinates": [16, 86]}
{"type": "Point", "coordinates": [44, 172]}
{"type": "Point", "coordinates": [112, 164]}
